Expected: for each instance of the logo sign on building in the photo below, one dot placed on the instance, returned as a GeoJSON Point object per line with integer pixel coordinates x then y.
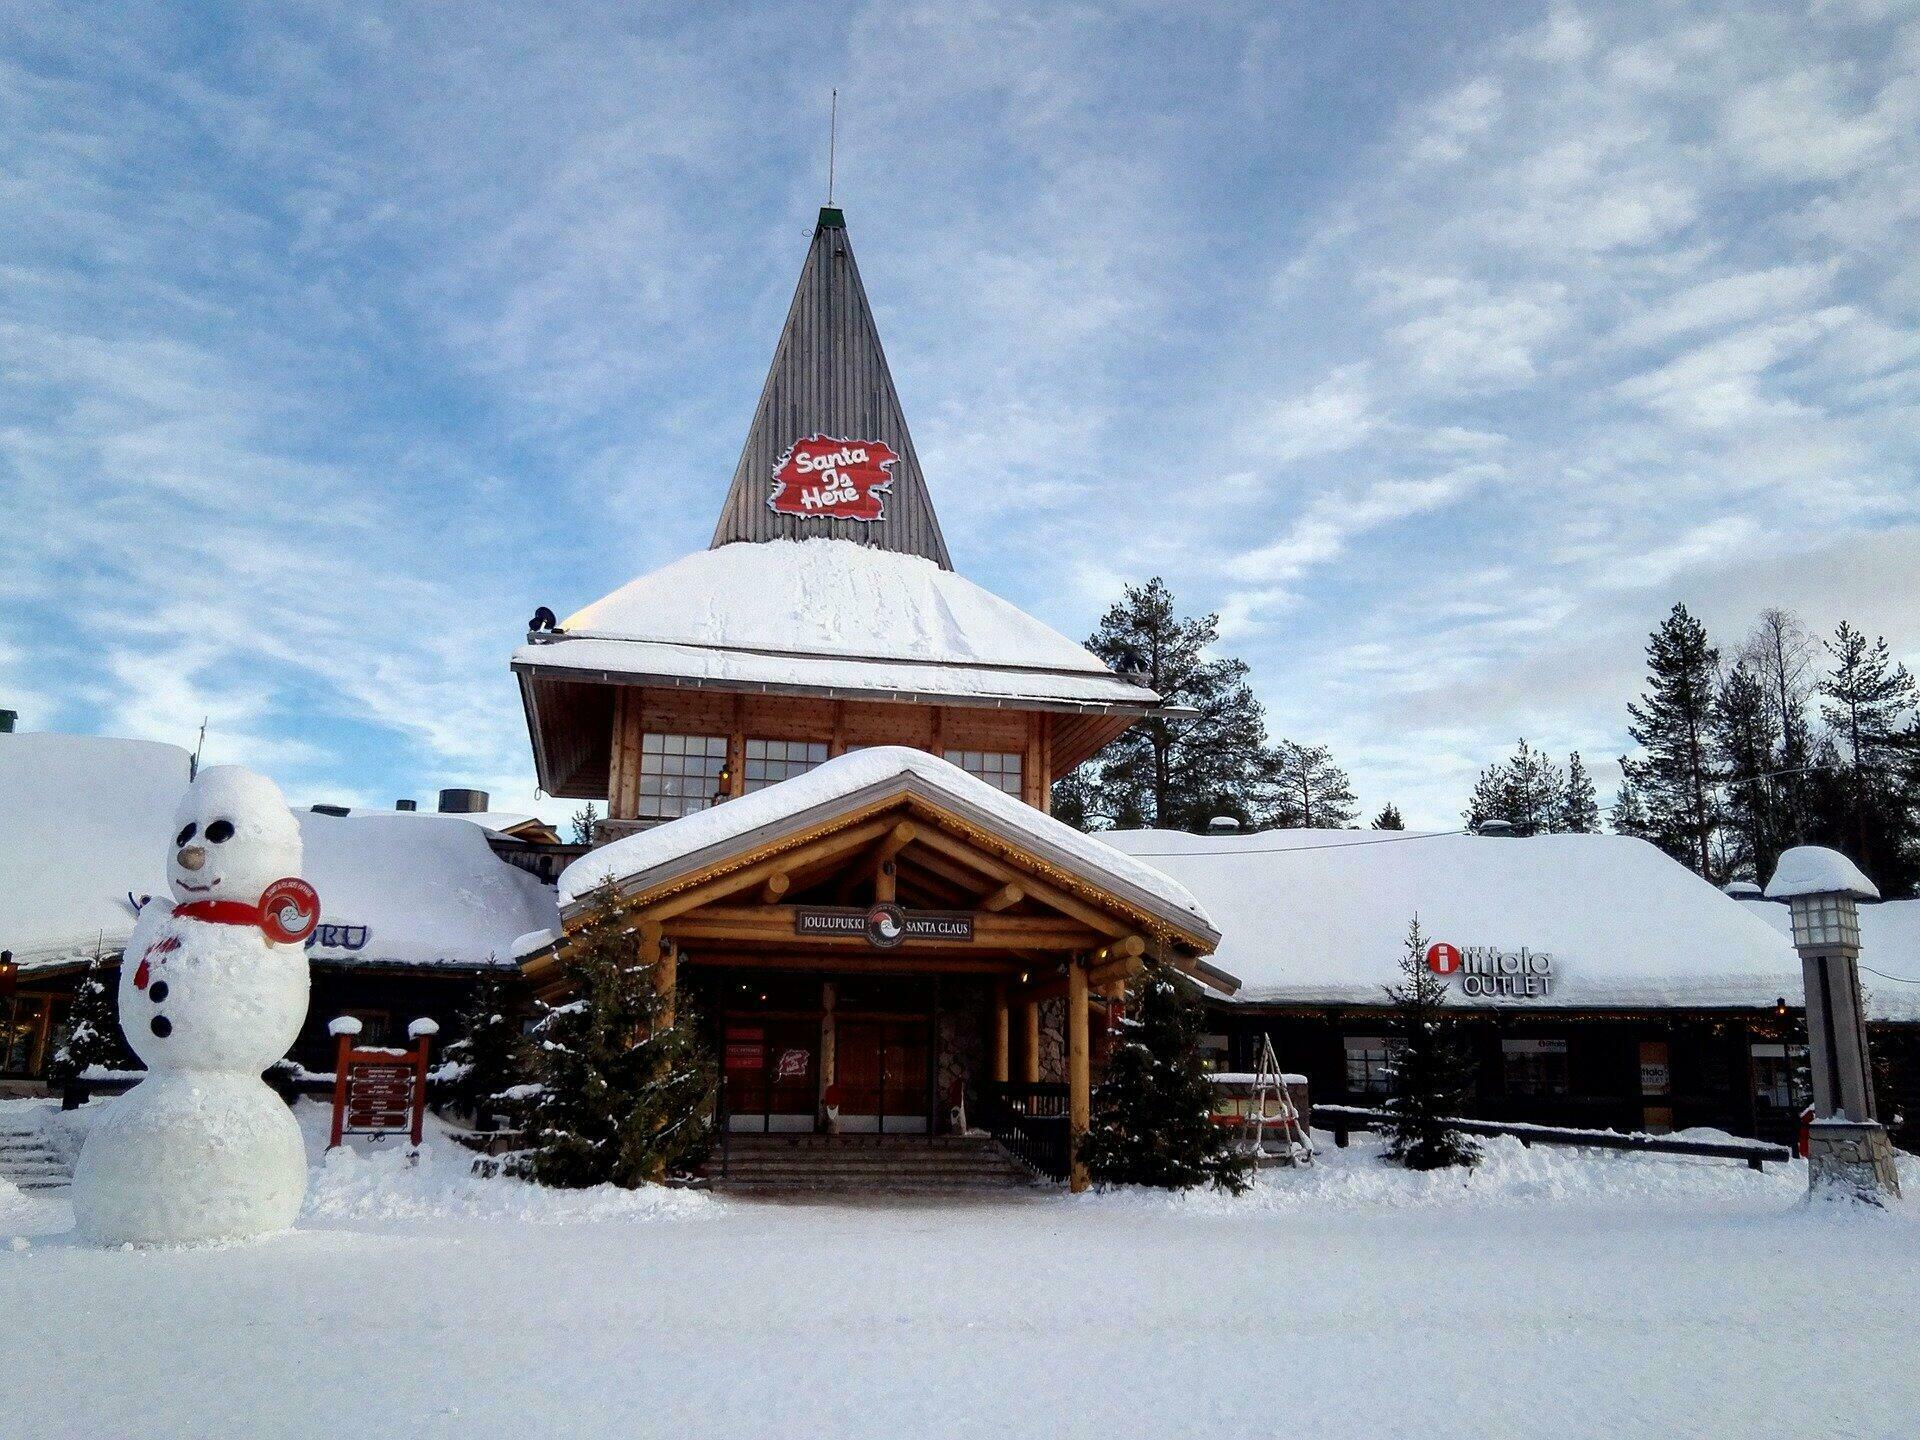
{"type": "Point", "coordinates": [792, 1064]}
{"type": "Point", "coordinates": [833, 479]}
{"type": "Point", "coordinates": [884, 926]}
{"type": "Point", "coordinates": [1486, 972]}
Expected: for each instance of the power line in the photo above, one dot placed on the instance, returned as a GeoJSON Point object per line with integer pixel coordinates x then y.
{"type": "Point", "coordinates": [1903, 979]}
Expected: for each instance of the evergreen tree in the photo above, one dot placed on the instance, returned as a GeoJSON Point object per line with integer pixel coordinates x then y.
{"type": "Point", "coordinates": [1152, 1114]}
{"type": "Point", "coordinates": [1629, 815]}
{"type": "Point", "coordinates": [1745, 744]}
{"type": "Point", "coordinates": [1672, 723]}
{"type": "Point", "coordinates": [93, 1030]}
{"type": "Point", "coordinates": [1867, 701]}
{"type": "Point", "coordinates": [1305, 790]}
{"type": "Point", "coordinates": [1389, 818]}
{"type": "Point", "coordinates": [491, 1053]}
{"type": "Point", "coordinates": [1579, 805]}
{"type": "Point", "coordinates": [586, 825]}
{"type": "Point", "coordinates": [623, 1097]}
{"type": "Point", "coordinates": [1172, 772]}
{"type": "Point", "coordinates": [1432, 1080]}
{"type": "Point", "coordinates": [1527, 791]}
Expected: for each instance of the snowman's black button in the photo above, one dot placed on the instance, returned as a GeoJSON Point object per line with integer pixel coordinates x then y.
{"type": "Point", "coordinates": [157, 991]}
{"type": "Point", "coordinates": [161, 1026]}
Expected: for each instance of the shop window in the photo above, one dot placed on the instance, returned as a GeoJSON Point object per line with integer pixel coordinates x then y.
{"type": "Point", "coordinates": [679, 774]}
{"type": "Point", "coordinates": [1370, 1064]}
{"type": "Point", "coordinates": [1214, 1052]}
{"type": "Point", "coordinates": [1535, 1067]}
{"type": "Point", "coordinates": [1781, 1079]}
{"type": "Point", "coordinates": [1000, 770]}
{"type": "Point", "coordinates": [21, 1020]}
{"type": "Point", "coordinates": [771, 761]}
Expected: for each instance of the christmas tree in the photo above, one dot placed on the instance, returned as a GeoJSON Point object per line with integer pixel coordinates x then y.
{"type": "Point", "coordinates": [491, 1053]}
{"type": "Point", "coordinates": [1151, 1122]}
{"type": "Point", "coordinates": [1431, 1079]}
{"type": "Point", "coordinates": [624, 1087]}
{"type": "Point", "coordinates": [93, 1036]}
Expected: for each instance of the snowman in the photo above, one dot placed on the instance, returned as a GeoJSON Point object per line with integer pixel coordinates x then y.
{"type": "Point", "coordinates": [213, 990]}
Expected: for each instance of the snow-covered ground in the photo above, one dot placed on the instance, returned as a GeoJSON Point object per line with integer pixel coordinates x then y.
{"type": "Point", "coordinates": [1552, 1293]}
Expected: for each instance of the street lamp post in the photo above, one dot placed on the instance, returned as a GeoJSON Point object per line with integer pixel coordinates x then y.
{"type": "Point", "coordinates": [1848, 1153]}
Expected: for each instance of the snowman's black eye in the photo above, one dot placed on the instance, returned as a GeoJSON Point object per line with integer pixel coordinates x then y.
{"type": "Point", "coordinates": [220, 831]}
{"type": "Point", "coordinates": [185, 835]}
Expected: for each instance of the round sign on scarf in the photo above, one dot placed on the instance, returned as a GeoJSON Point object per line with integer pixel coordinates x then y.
{"type": "Point", "coordinates": [289, 909]}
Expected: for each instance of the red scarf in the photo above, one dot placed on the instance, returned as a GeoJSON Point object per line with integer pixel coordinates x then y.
{"type": "Point", "coordinates": [220, 912]}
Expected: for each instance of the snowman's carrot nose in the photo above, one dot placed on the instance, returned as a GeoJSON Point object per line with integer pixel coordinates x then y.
{"type": "Point", "coordinates": [192, 858]}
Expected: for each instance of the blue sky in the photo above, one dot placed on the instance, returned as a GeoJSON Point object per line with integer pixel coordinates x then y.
{"type": "Point", "coordinates": [1439, 348]}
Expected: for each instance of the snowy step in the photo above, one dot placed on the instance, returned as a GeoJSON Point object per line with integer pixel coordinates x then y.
{"type": "Point", "coordinates": [892, 1165]}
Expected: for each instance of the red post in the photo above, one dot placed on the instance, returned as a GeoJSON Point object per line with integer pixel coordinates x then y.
{"type": "Point", "coordinates": [340, 1063]}
{"type": "Point", "coordinates": [419, 1088]}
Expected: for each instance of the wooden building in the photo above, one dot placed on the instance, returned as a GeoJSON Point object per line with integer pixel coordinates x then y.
{"type": "Point", "coordinates": [826, 760]}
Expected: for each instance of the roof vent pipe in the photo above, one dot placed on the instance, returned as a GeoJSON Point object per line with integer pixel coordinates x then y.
{"type": "Point", "coordinates": [406, 804]}
{"type": "Point", "coordinates": [1501, 828]}
{"type": "Point", "coordinates": [463, 802]}
{"type": "Point", "coordinates": [330, 810]}
{"type": "Point", "coordinates": [1223, 825]}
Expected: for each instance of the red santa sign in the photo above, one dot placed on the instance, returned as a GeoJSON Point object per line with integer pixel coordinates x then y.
{"type": "Point", "coordinates": [833, 478]}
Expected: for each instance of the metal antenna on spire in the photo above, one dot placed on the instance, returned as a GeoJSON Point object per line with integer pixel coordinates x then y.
{"type": "Point", "coordinates": [833, 137]}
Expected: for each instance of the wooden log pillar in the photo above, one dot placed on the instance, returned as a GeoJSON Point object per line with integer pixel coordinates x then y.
{"type": "Point", "coordinates": [829, 1059]}
{"type": "Point", "coordinates": [1079, 1073]}
{"type": "Point", "coordinates": [1000, 1036]}
{"type": "Point", "coordinates": [1030, 1042]}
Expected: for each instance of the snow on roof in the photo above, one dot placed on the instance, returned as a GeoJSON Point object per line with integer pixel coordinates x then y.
{"type": "Point", "coordinates": [1816, 870]}
{"type": "Point", "coordinates": [828, 613]}
{"type": "Point", "coordinates": [1889, 943]}
{"type": "Point", "coordinates": [83, 821]}
{"type": "Point", "coordinates": [1320, 916]}
{"type": "Point", "coordinates": [850, 775]}
{"type": "Point", "coordinates": [416, 889]}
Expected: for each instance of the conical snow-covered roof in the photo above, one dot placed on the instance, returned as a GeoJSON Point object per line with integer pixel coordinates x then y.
{"type": "Point", "coordinates": [828, 413]}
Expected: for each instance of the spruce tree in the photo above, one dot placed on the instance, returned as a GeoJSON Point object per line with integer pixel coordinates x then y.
{"type": "Point", "coordinates": [1151, 1122]}
{"type": "Point", "coordinates": [1305, 790]}
{"type": "Point", "coordinates": [491, 1053]}
{"type": "Point", "coordinates": [586, 824]}
{"type": "Point", "coordinates": [622, 1097]}
{"type": "Point", "coordinates": [1389, 818]}
{"type": "Point", "coordinates": [93, 1031]}
{"type": "Point", "coordinates": [1675, 776]}
{"type": "Point", "coordinates": [1629, 814]}
{"type": "Point", "coordinates": [1867, 701]}
{"type": "Point", "coordinates": [1527, 791]}
{"type": "Point", "coordinates": [1172, 772]}
{"type": "Point", "coordinates": [1579, 805]}
{"type": "Point", "coordinates": [1432, 1079]}
{"type": "Point", "coordinates": [1744, 742]}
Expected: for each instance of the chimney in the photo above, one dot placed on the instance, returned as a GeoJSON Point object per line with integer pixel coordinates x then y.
{"type": "Point", "coordinates": [463, 802]}
{"type": "Point", "coordinates": [7, 717]}
{"type": "Point", "coordinates": [1500, 829]}
{"type": "Point", "coordinates": [406, 804]}
{"type": "Point", "coordinates": [1223, 825]}
{"type": "Point", "coordinates": [330, 809]}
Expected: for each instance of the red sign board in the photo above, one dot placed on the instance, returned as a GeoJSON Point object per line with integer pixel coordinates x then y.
{"type": "Point", "coordinates": [378, 1092]}
{"type": "Point", "coordinates": [833, 478]}
{"type": "Point", "coordinates": [1442, 958]}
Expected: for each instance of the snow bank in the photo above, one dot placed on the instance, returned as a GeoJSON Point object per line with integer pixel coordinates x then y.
{"type": "Point", "coordinates": [1320, 916]}
{"type": "Point", "coordinates": [1816, 870]}
{"type": "Point", "coordinates": [847, 775]}
{"type": "Point", "coordinates": [83, 821]}
{"type": "Point", "coordinates": [828, 612]}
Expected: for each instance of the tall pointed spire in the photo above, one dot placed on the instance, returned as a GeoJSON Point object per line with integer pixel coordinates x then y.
{"type": "Point", "coordinates": [828, 453]}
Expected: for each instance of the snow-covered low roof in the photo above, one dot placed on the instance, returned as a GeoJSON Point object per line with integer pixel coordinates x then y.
{"type": "Point", "coordinates": [853, 778]}
{"type": "Point", "coordinates": [1889, 945]}
{"type": "Point", "coordinates": [84, 820]}
{"type": "Point", "coordinates": [399, 889]}
{"type": "Point", "coordinates": [1321, 916]}
{"type": "Point", "coordinates": [828, 614]}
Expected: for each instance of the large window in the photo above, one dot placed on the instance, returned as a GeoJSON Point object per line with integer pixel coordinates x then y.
{"type": "Point", "coordinates": [1002, 771]}
{"type": "Point", "coordinates": [771, 761]}
{"type": "Point", "coordinates": [679, 773]}
{"type": "Point", "coordinates": [1535, 1067]}
{"type": "Point", "coordinates": [1370, 1064]}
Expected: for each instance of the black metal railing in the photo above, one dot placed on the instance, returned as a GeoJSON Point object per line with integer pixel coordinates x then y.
{"type": "Point", "coordinates": [1032, 1123]}
{"type": "Point", "coordinates": [1343, 1119]}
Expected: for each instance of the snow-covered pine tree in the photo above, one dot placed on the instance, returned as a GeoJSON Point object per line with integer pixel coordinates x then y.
{"type": "Point", "coordinates": [623, 1098]}
{"type": "Point", "coordinates": [1306, 790]}
{"type": "Point", "coordinates": [492, 1052]}
{"type": "Point", "coordinates": [1176, 773]}
{"type": "Point", "coordinates": [93, 1032]}
{"type": "Point", "coordinates": [1579, 805]}
{"type": "Point", "coordinates": [1151, 1120]}
{"type": "Point", "coordinates": [1431, 1078]}
{"type": "Point", "coordinates": [1676, 777]}
{"type": "Point", "coordinates": [1389, 818]}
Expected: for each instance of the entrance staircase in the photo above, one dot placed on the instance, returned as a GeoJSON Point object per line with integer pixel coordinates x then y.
{"type": "Point", "coordinates": [28, 1159]}
{"type": "Point", "coordinates": [869, 1164]}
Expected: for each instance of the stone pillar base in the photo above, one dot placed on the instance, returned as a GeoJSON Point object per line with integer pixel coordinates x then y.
{"type": "Point", "coordinates": [1850, 1159]}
